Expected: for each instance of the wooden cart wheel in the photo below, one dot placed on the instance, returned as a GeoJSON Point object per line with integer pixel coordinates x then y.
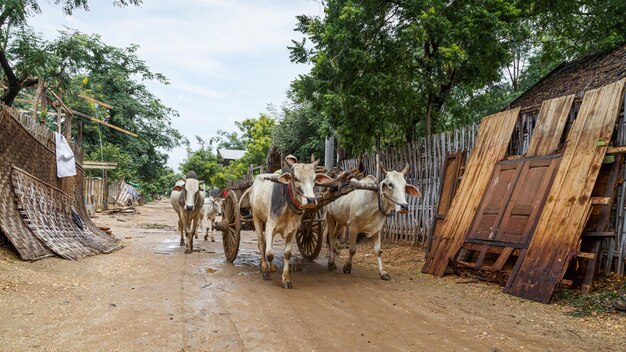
{"type": "Point", "coordinates": [231, 226]}
{"type": "Point", "coordinates": [310, 235]}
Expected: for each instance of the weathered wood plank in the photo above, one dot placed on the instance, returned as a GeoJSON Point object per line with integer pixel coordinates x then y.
{"type": "Point", "coordinates": [563, 218]}
{"type": "Point", "coordinates": [491, 144]}
{"type": "Point", "coordinates": [552, 119]}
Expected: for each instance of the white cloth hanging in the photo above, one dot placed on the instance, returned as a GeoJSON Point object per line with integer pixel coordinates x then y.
{"type": "Point", "coordinates": [66, 162]}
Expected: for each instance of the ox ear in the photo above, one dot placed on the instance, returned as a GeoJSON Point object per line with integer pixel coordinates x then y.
{"type": "Point", "coordinates": [321, 179]}
{"type": "Point", "coordinates": [412, 191]}
{"type": "Point", "coordinates": [290, 160]}
{"type": "Point", "coordinates": [181, 199]}
{"type": "Point", "coordinates": [285, 178]}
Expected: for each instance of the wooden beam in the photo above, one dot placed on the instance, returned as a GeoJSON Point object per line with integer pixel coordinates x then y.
{"type": "Point", "coordinates": [68, 110]}
{"type": "Point", "coordinates": [91, 118]}
{"type": "Point", "coordinates": [617, 150]}
{"type": "Point", "coordinates": [600, 200]}
{"type": "Point", "coordinates": [586, 255]}
{"type": "Point", "coordinates": [101, 165]}
{"type": "Point", "coordinates": [30, 97]}
{"type": "Point", "coordinates": [96, 101]}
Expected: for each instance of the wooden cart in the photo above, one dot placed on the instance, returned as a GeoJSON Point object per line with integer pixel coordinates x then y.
{"type": "Point", "coordinates": [310, 235]}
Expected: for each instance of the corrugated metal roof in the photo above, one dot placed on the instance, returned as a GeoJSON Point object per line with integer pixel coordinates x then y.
{"type": "Point", "coordinates": [231, 154]}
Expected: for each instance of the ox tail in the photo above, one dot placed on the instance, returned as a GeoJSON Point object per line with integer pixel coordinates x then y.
{"type": "Point", "coordinates": [243, 196]}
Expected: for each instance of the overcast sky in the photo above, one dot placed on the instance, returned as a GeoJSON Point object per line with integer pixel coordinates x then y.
{"type": "Point", "coordinates": [226, 60]}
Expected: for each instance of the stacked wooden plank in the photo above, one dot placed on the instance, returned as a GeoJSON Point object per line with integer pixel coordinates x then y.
{"type": "Point", "coordinates": [557, 235]}
{"type": "Point", "coordinates": [514, 198]}
{"type": "Point", "coordinates": [490, 147]}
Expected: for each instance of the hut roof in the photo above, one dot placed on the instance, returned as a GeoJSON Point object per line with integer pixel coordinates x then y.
{"type": "Point", "coordinates": [576, 77]}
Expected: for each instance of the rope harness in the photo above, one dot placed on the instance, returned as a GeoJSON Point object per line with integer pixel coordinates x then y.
{"type": "Point", "coordinates": [295, 205]}
{"type": "Point", "coordinates": [380, 202]}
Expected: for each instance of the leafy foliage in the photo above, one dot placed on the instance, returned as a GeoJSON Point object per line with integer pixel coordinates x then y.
{"type": "Point", "coordinates": [386, 72]}
{"type": "Point", "coordinates": [255, 137]}
{"type": "Point", "coordinates": [76, 63]}
{"type": "Point", "coordinates": [300, 131]}
{"type": "Point", "coordinates": [599, 301]}
{"type": "Point", "coordinates": [111, 152]}
{"type": "Point", "coordinates": [205, 163]}
{"type": "Point", "coordinates": [382, 69]}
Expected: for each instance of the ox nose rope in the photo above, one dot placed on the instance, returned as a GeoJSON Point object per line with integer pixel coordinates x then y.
{"type": "Point", "coordinates": [381, 194]}
{"type": "Point", "coordinates": [295, 201]}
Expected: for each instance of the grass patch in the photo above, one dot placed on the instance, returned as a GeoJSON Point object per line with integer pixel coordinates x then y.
{"type": "Point", "coordinates": [600, 301]}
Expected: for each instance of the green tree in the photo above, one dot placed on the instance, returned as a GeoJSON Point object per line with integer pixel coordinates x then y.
{"type": "Point", "coordinates": [77, 63]}
{"type": "Point", "coordinates": [255, 136]}
{"type": "Point", "coordinates": [205, 163]}
{"type": "Point", "coordinates": [110, 152]}
{"type": "Point", "coordinates": [383, 70]}
{"type": "Point", "coordinates": [15, 14]}
{"type": "Point", "coordinates": [299, 131]}
{"type": "Point", "coordinates": [566, 29]}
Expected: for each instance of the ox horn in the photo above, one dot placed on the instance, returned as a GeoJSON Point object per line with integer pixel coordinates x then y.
{"type": "Point", "coordinates": [290, 160]}
{"type": "Point", "coordinates": [406, 169]}
{"type": "Point", "coordinates": [382, 168]}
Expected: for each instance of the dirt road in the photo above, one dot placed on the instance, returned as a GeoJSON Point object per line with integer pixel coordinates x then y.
{"type": "Point", "coordinates": [150, 296]}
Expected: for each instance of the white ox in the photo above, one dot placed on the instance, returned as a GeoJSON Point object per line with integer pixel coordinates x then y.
{"type": "Point", "coordinates": [212, 207]}
{"type": "Point", "coordinates": [187, 200]}
{"type": "Point", "coordinates": [277, 208]}
{"type": "Point", "coordinates": [364, 211]}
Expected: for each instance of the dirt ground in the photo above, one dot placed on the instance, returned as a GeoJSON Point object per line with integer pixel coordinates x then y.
{"type": "Point", "coordinates": [149, 296]}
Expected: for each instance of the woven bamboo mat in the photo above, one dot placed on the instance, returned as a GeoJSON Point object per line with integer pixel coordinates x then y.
{"type": "Point", "coordinates": [52, 218]}
{"type": "Point", "coordinates": [19, 147]}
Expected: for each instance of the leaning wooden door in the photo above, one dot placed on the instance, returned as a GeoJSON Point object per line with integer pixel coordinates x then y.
{"type": "Point", "coordinates": [516, 194]}
{"type": "Point", "coordinates": [452, 172]}
{"type": "Point", "coordinates": [527, 200]}
{"type": "Point", "coordinates": [495, 199]}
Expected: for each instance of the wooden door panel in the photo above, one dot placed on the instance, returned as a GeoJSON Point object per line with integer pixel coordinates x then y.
{"type": "Point", "coordinates": [495, 199]}
{"type": "Point", "coordinates": [453, 167]}
{"type": "Point", "coordinates": [513, 200]}
{"type": "Point", "coordinates": [523, 209]}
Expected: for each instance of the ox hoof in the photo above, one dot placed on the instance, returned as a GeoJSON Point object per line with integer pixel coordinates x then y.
{"type": "Point", "coordinates": [332, 267]}
{"type": "Point", "coordinates": [187, 251]}
{"type": "Point", "coordinates": [196, 236]}
{"type": "Point", "coordinates": [287, 284]}
{"type": "Point", "coordinates": [267, 276]}
{"type": "Point", "coordinates": [385, 277]}
{"type": "Point", "coordinates": [347, 269]}
{"type": "Point", "coordinates": [206, 238]}
{"type": "Point", "coordinates": [212, 239]}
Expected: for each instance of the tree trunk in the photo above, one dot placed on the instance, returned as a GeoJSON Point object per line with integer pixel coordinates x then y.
{"type": "Point", "coordinates": [429, 111]}
{"type": "Point", "coordinates": [13, 84]}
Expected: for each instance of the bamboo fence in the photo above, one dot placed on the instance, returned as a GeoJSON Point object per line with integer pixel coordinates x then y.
{"type": "Point", "coordinates": [425, 158]}
{"type": "Point", "coordinates": [94, 192]}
